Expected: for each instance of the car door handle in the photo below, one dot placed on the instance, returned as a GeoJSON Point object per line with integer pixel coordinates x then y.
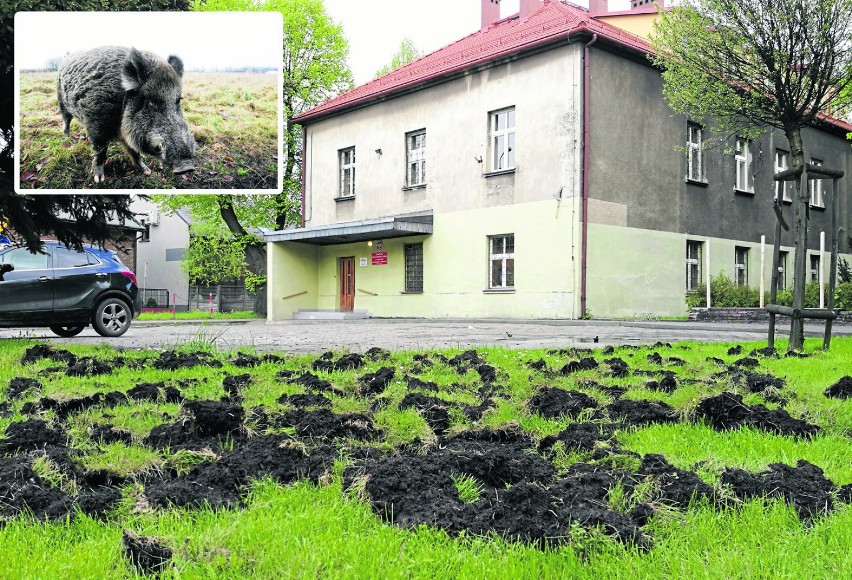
{"type": "Point", "coordinates": [44, 279]}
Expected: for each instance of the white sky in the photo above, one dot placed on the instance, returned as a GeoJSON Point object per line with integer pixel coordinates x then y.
{"type": "Point", "coordinates": [375, 28]}
{"type": "Point", "coordinates": [228, 39]}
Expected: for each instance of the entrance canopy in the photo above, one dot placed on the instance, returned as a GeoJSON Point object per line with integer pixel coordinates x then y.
{"type": "Point", "coordinates": [385, 228]}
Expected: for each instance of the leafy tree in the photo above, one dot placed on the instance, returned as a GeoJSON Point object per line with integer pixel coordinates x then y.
{"type": "Point", "coordinates": [314, 70]}
{"type": "Point", "coordinates": [72, 219]}
{"type": "Point", "coordinates": [745, 66]}
{"type": "Point", "coordinates": [406, 53]}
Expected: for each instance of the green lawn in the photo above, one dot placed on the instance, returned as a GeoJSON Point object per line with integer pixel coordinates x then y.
{"type": "Point", "coordinates": [324, 530]}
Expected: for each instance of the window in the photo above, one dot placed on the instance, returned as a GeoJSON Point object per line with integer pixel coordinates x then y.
{"type": "Point", "coordinates": [694, 152]}
{"type": "Point", "coordinates": [67, 258]}
{"type": "Point", "coordinates": [346, 158]}
{"type": "Point", "coordinates": [694, 251]}
{"type": "Point", "coordinates": [815, 267]}
{"type": "Point", "coordinates": [415, 158]}
{"type": "Point", "coordinates": [782, 163]}
{"type": "Point", "coordinates": [145, 235]}
{"type": "Point", "coordinates": [745, 179]}
{"type": "Point", "coordinates": [782, 271]}
{"type": "Point", "coordinates": [414, 268]}
{"type": "Point", "coordinates": [501, 261]}
{"type": "Point", "coordinates": [23, 259]}
{"type": "Point", "coordinates": [815, 187]}
{"type": "Point", "coordinates": [502, 129]}
{"type": "Point", "coordinates": [741, 266]}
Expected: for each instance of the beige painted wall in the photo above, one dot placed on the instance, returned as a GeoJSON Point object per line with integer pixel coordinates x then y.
{"type": "Point", "coordinates": [292, 280]}
{"type": "Point", "coordinates": [545, 91]}
{"type": "Point", "coordinates": [455, 267]}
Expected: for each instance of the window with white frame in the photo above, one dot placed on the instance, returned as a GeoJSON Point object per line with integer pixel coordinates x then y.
{"type": "Point", "coordinates": [815, 267]}
{"type": "Point", "coordinates": [414, 268]}
{"type": "Point", "coordinates": [346, 162]}
{"type": "Point", "coordinates": [745, 178]}
{"type": "Point", "coordinates": [694, 152]}
{"type": "Point", "coordinates": [782, 271]}
{"type": "Point", "coordinates": [694, 252]}
{"type": "Point", "coordinates": [501, 260]}
{"type": "Point", "coordinates": [502, 139]}
{"type": "Point", "coordinates": [815, 187]}
{"type": "Point", "coordinates": [741, 266]}
{"type": "Point", "coordinates": [415, 158]}
{"type": "Point", "coordinates": [783, 188]}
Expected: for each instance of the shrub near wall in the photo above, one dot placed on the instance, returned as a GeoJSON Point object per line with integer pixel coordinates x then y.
{"type": "Point", "coordinates": [725, 294]}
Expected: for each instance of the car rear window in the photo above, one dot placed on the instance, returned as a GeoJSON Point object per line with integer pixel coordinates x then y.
{"type": "Point", "coordinates": [67, 258]}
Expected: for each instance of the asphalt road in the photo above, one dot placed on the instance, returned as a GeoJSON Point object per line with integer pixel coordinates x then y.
{"type": "Point", "coordinates": [316, 336]}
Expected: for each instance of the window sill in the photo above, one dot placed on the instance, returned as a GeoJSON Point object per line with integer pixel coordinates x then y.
{"type": "Point", "coordinates": [412, 293]}
{"type": "Point", "coordinates": [696, 182]}
{"type": "Point", "coordinates": [743, 192]}
{"type": "Point", "coordinates": [819, 207]}
{"type": "Point", "coordinates": [344, 198]}
{"type": "Point", "coordinates": [414, 187]}
{"type": "Point", "coordinates": [500, 172]}
{"type": "Point", "coordinates": [499, 290]}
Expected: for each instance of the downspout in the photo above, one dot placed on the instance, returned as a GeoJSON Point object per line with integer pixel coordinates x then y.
{"type": "Point", "coordinates": [585, 213]}
{"type": "Point", "coordinates": [304, 177]}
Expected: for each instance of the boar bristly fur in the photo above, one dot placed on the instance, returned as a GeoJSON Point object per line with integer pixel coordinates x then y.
{"type": "Point", "coordinates": [128, 95]}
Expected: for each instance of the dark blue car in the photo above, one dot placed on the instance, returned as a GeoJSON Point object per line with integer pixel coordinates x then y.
{"type": "Point", "coordinates": [67, 290]}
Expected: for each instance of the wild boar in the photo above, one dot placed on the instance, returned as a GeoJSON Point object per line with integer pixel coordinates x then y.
{"type": "Point", "coordinates": [130, 95]}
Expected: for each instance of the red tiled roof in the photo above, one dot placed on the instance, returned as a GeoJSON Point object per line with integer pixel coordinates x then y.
{"type": "Point", "coordinates": [552, 21]}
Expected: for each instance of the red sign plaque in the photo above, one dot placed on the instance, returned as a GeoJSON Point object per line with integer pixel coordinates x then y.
{"type": "Point", "coordinates": [379, 258]}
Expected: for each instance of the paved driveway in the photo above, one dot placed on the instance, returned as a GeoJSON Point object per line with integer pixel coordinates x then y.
{"type": "Point", "coordinates": [315, 336]}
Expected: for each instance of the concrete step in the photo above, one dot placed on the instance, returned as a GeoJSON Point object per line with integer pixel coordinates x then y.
{"type": "Point", "coordinates": [330, 315]}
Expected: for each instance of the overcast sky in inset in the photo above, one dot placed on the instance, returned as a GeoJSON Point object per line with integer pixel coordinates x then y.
{"type": "Point", "coordinates": [203, 40]}
{"type": "Point", "coordinates": [375, 28]}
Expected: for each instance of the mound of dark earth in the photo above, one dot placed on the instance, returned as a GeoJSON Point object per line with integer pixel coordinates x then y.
{"type": "Point", "coordinates": [412, 489]}
{"type": "Point", "coordinates": [314, 383]}
{"type": "Point", "coordinates": [552, 403]}
{"type": "Point", "coordinates": [88, 367]}
{"type": "Point", "coordinates": [244, 360]}
{"type": "Point", "coordinates": [205, 424]}
{"type": "Point", "coordinates": [673, 486]}
{"type": "Point", "coordinates": [21, 489]}
{"type": "Point", "coordinates": [23, 436]}
{"type": "Point", "coordinates": [758, 383]}
{"type": "Point", "coordinates": [639, 413]}
{"type": "Point", "coordinates": [222, 483]}
{"type": "Point", "coordinates": [842, 389]}
{"type": "Point", "coordinates": [154, 392]}
{"type": "Point", "coordinates": [584, 364]}
{"type": "Point", "coordinates": [40, 351]}
{"type": "Point", "coordinates": [617, 368]}
{"type": "Point", "coordinates": [304, 401]}
{"type": "Point", "coordinates": [582, 437]}
{"type": "Point", "coordinates": [107, 434]}
{"type": "Point", "coordinates": [324, 423]}
{"type": "Point", "coordinates": [18, 386]}
{"type": "Point", "coordinates": [233, 384]}
{"type": "Point", "coordinates": [475, 412]}
{"type": "Point", "coordinates": [805, 486]}
{"type": "Point", "coordinates": [434, 411]}
{"type": "Point", "coordinates": [65, 407]}
{"type": "Point", "coordinates": [727, 411]}
{"type": "Point", "coordinates": [466, 360]}
{"type": "Point", "coordinates": [415, 383]}
{"type": "Point", "coordinates": [349, 361]}
{"type": "Point", "coordinates": [146, 554]}
{"type": "Point", "coordinates": [374, 383]}
{"type": "Point", "coordinates": [172, 361]}
{"type": "Point", "coordinates": [667, 384]}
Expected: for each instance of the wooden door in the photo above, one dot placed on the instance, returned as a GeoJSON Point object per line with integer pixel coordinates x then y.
{"type": "Point", "coordinates": [346, 271]}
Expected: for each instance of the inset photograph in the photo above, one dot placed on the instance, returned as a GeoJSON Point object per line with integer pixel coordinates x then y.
{"type": "Point", "coordinates": [148, 101]}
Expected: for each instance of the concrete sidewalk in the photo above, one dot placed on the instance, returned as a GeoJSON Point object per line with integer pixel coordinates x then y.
{"type": "Point", "coordinates": [315, 336]}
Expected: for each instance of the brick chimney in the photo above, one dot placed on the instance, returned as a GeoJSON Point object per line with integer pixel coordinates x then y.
{"type": "Point", "coordinates": [490, 12]}
{"type": "Point", "coordinates": [528, 7]}
{"type": "Point", "coordinates": [597, 7]}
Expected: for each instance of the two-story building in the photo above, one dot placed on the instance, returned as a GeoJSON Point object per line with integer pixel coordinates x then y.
{"type": "Point", "coordinates": [532, 170]}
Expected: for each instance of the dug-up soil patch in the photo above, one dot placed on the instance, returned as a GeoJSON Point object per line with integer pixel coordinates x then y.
{"type": "Point", "coordinates": [147, 555]}
{"type": "Point", "coordinates": [552, 403]}
{"type": "Point", "coordinates": [203, 424]}
{"type": "Point", "coordinates": [842, 389]}
{"type": "Point", "coordinates": [727, 411]}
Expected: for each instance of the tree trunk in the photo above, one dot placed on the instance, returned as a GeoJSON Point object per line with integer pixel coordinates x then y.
{"type": "Point", "coordinates": [800, 231]}
{"type": "Point", "coordinates": [255, 253]}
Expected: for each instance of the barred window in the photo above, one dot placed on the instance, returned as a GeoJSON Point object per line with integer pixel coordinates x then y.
{"type": "Point", "coordinates": [414, 267]}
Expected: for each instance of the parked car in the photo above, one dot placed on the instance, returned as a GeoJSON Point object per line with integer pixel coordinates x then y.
{"type": "Point", "coordinates": [67, 290]}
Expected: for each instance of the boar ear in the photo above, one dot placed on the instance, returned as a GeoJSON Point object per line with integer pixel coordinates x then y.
{"type": "Point", "coordinates": [177, 64]}
{"type": "Point", "coordinates": [135, 71]}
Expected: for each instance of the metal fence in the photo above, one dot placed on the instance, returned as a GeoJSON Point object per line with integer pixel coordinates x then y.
{"type": "Point", "coordinates": [221, 298]}
{"type": "Point", "coordinates": [155, 297]}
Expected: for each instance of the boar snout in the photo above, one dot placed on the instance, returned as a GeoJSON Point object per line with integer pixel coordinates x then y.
{"type": "Point", "coordinates": [183, 166]}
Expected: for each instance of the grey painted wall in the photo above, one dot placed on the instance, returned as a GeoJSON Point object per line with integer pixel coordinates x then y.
{"type": "Point", "coordinates": [168, 240]}
{"type": "Point", "coordinates": [638, 165]}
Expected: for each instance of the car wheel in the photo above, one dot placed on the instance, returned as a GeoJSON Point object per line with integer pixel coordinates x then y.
{"type": "Point", "coordinates": [67, 331]}
{"type": "Point", "coordinates": [112, 317]}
